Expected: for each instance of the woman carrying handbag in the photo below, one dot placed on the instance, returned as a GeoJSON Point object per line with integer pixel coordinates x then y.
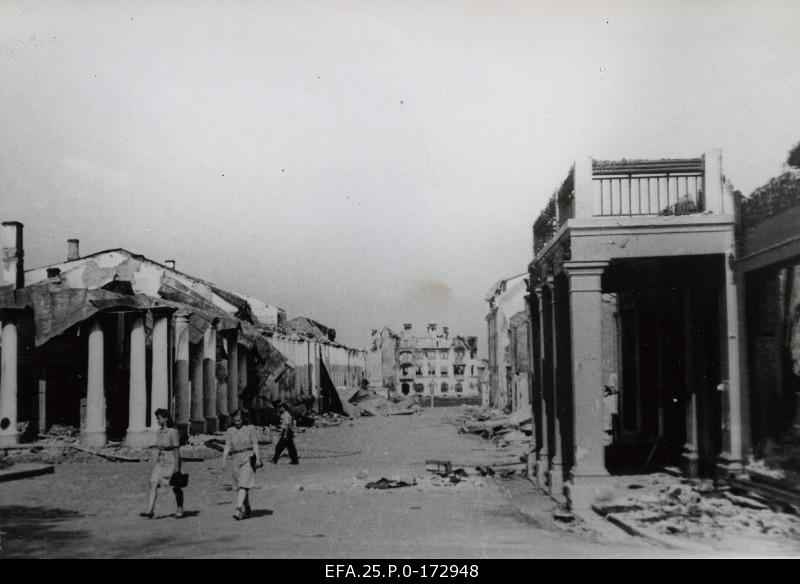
{"type": "Point", "coordinates": [241, 442]}
{"type": "Point", "coordinates": [167, 471]}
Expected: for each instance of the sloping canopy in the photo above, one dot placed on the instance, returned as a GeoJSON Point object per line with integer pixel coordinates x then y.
{"type": "Point", "coordinates": [56, 310]}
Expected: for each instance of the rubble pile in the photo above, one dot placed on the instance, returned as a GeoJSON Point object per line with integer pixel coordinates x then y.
{"type": "Point", "coordinates": [781, 461]}
{"type": "Point", "coordinates": [329, 419]}
{"type": "Point", "coordinates": [698, 509]}
{"type": "Point", "coordinates": [364, 402]}
{"type": "Point", "coordinates": [505, 431]}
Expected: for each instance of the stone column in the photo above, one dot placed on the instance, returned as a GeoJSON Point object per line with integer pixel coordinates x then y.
{"type": "Point", "coordinates": [730, 459]}
{"type": "Point", "coordinates": [95, 432]}
{"type": "Point", "coordinates": [183, 398]}
{"type": "Point", "coordinates": [689, 456]}
{"type": "Point", "coordinates": [197, 422]}
{"type": "Point", "coordinates": [223, 386]}
{"type": "Point", "coordinates": [233, 373]}
{"type": "Point", "coordinates": [160, 363]}
{"type": "Point", "coordinates": [555, 471]}
{"type": "Point", "coordinates": [585, 293]}
{"type": "Point", "coordinates": [137, 435]}
{"type": "Point", "coordinates": [41, 404]}
{"type": "Point", "coordinates": [8, 379]}
{"type": "Point", "coordinates": [210, 378]}
{"type": "Point", "coordinates": [744, 372]}
{"type": "Point", "coordinates": [242, 372]}
{"type": "Point", "coordinates": [542, 455]}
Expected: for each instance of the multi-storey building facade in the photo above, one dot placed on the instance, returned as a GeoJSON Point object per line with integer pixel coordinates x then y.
{"type": "Point", "coordinates": [437, 364]}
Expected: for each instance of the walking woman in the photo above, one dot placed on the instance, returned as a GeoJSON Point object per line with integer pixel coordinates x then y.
{"type": "Point", "coordinates": [241, 441]}
{"type": "Point", "coordinates": [168, 464]}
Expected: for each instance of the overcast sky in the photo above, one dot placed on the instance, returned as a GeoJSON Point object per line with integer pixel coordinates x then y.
{"type": "Point", "coordinates": [366, 163]}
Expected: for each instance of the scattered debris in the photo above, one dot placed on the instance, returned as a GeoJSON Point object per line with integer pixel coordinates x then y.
{"type": "Point", "coordinates": [697, 509]}
{"type": "Point", "coordinates": [563, 516]}
{"type": "Point", "coordinates": [385, 483]}
{"type": "Point", "coordinates": [440, 466]}
{"type": "Point", "coordinates": [363, 474]}
{"type": "Point", "coordinates": [106, 454]}
{"type": "Point", "coordinates": [24, 471]}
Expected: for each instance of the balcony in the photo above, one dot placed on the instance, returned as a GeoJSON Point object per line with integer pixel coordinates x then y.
{"type": "Point", "coordinates": [629, 194]}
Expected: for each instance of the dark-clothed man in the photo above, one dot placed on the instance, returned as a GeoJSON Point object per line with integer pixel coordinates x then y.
{"type": "Point", "coordinates": [287, 436]}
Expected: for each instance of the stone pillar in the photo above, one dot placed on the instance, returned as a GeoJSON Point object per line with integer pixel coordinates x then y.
{"type": "Point", "coordinates": [744, 373]}
{"type": "Point", "coordinates": [555, 470]}
{"type": "Point", "coordinates": [542, 454]}
{"type": "Point", "coordinates": [233, 373]}
{"type": "Point", "coordinates": [183, 398]}
{"type": "Point", "coordinates": [586, 305]}
{"type": "Point", "coordinates": [8, 379]}
{"type": "Point", "coordinates": [197, 422]}
{"type": "Point", "coordinates": [95, 432]}
{"type": "Point", "coordinates": [242, 373]}
{"type": "Point", "coordinates": [210, 378]}
{"type": "Point", "coordinates": [223, 385]}
{"type": "Point", "coordinates": [137, 435]}
{"type": "Point", "coordinates": [41, 404]}
{"type": "Point", "coordinates": [730, 459]}
{"type": "Point", "coordinates": [690, 455]}
{"type": "Point", "coordinates": [159, 377]}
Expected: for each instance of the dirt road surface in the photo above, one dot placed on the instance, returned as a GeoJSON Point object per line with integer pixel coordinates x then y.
{"type": "Point", "coordinates": [319, 508]}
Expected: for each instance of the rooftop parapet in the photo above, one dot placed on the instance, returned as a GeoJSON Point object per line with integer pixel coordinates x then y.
{"type": "Point", "coordinates": [634, 188]}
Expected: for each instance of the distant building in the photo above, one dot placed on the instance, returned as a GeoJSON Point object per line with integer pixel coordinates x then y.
{"type": "Point", "coordinates": [506, 300]}
{"type": "Point", "coordinates": [382, 360]}
{"type": "Point", "coordinates": [437, 364]}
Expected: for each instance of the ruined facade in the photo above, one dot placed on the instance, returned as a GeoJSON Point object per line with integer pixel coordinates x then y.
{"type": "Point", "coordinates": [506, 299]}
{"type": "Point", "coordinates": [382, 360]}
{"type": "Point", "coordinates": [634, 323]}
{"type": "Point", "coordinates": [768, 278]}
{"type": "Point", "coordinates": [104, 340]}
{"type": "Point", "coordinates": [437, 364]}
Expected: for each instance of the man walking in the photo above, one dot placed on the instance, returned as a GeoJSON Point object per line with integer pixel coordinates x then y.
{"type": "Point", "coordinates": [287, 436]}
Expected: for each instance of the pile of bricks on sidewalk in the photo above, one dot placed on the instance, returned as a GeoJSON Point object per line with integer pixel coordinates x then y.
{"type": "Point", "coordinates": [695, 509]}
{"type": "Point", "coordinates": [506, 431]}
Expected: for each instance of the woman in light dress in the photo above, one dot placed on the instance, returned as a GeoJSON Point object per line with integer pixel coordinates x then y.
{"type": "Point", "coordinates": [168, 464]}
{"type": "Point", "coordinates": [241, 442]}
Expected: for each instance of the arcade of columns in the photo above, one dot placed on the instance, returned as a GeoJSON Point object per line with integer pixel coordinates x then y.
{"type": "Point", "coordinates": [199, 402]}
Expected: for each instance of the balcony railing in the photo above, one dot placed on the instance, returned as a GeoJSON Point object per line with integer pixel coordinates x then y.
{"type": "Point", "coordinates": [634, 188]}
{"type": "Point", "coordinates": [663, 187]}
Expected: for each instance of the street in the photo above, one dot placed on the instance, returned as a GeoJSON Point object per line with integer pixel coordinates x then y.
{"type": "Point", "coordinates": [316, 509]}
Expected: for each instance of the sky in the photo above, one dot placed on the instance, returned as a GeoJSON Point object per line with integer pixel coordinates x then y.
{"type": "Point", "coordinates": [366, 163]}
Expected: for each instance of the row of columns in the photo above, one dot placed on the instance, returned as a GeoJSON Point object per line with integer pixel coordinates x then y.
{"type": "Point", "coordinates": [199, 405]}
{"type": "Point", "coordinates": [569, 372]}
{"type": "Point", "coordinates": [569, 369]}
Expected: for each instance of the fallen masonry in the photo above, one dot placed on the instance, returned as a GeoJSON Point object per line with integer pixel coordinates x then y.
{"type": "Point", "coordinates": [695, 509]}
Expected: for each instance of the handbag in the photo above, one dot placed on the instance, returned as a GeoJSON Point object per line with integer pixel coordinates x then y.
{"type": "Point", "coordinates": [253, 462]}
{"type": "Point", "coordinates": [179, 479]}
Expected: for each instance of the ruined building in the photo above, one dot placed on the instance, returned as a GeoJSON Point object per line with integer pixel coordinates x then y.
{"type": "Point", "coordinates": [382, 361]}
{"type": "Point", "coordinates": [768, 281]}
{"type": "Point", "coordinates": [509, 386]}
{"type": "Point", "coordinates": [635, 326]}
{"type": "Point", "coordinates": [436, 363]}
{"type": "Point", "coordinates": [103, 340]}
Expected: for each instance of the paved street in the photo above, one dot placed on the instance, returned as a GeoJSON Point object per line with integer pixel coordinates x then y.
{"type": "Point", "coordinates": [316, 509]}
